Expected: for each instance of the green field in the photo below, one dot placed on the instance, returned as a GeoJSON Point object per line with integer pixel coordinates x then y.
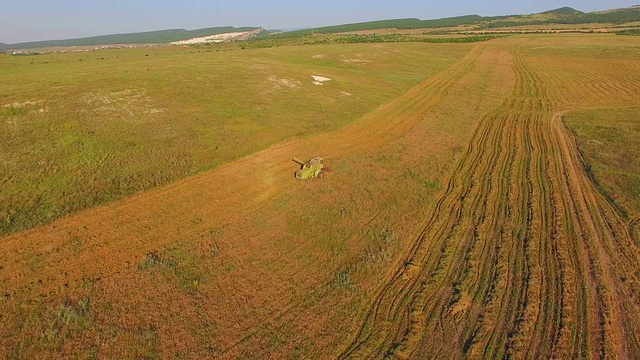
{"type": "Point", "coordinates": [609, 140]}
{"type": "Point", "coordinates": [82, 129]}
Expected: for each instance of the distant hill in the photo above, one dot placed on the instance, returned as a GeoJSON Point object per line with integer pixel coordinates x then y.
{"type": "Point", "coordinates": [563, 11]}
{"type": "Point", "coordinates": [568, 15]}
{"type": "Point", "coordinates": [410, 23]}
{"type": "Point", "coordinates": [563, 15]}
{"type": "Point", "coordinates": [150, 37]}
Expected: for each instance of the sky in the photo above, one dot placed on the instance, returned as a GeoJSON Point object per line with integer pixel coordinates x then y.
{"type": "Point", "coordinates": [34, 20]}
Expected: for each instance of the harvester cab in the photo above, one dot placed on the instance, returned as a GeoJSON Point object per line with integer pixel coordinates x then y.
{"type": "Point", "coordinates": [310, 170]}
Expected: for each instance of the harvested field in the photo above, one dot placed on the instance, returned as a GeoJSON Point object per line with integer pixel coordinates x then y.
{"type": "Point", "coordinates": [81, 130]}
{"type": "Point", "coordinates": [475, 232]}
{"type": "Point", "coordinates": [521, 255]}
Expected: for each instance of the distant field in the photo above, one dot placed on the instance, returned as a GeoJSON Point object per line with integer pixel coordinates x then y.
{"type": "Point", "coordinates": [82, 129]}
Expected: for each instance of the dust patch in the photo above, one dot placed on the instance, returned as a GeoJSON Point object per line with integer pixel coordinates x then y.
{"type": "Point", "coordinates": [463, 304]}
{"type": "Point", "coordinates": [410, 271]}
{"type": "Point", "coordinates": [127, 103]}
{"type": "Point", "coordinates": [319, 80]}
{"type": "Point", "coordinates": [320, 56]}
{"type": "Point", "coordinates": [15, 109]}
{"type": "Point", "coordinates": [346, 93]}
{"type": "Point", "coordinates": [282, 84]}
{"type": "Point", "coordinates": [357, 59]}
{"type": "Point", "coordinates": [23, 104]}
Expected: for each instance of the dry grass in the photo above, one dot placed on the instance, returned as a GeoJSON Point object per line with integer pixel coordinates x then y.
{"type": "Point", "coordinates": [509, 232]}
{"type": "Point", "coordinates": [83, 129]}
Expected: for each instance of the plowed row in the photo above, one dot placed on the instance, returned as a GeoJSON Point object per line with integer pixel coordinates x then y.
{"type": "Point", "coordinates": [521, 256]}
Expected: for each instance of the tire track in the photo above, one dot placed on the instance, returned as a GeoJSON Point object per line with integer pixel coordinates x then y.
{"type": "Point", "coordinates": [124, 231]}
{"type": "Point", "coordinates": [520, 256]}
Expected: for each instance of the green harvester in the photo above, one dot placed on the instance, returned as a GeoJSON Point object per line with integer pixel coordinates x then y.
{"type": "Point", "coordinates": [310, 170]}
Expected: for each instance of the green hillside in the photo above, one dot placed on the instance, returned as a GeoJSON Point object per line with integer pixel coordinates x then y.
{"type": "Point", "coordinates": [410, 23]}
{"type": "Point", "coordinates": [563, 11]}
{"type": "Point", "coordinates": [150, 37]}
{"type": "Point", "coordinates": [563, 15]}
{"type": "Point", "coordinates": [567, 16]}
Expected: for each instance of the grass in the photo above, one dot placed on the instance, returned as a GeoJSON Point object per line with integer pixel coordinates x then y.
{"type": "Point", "coordinates": [629, 32]}
{"type": "Point", "coordinates": [368, 36]}
{"type": "Point", "coordinates": [296, 276]}
{"type": "Point", "coordinates": [176, 265]}
{"type": "Point", "coordinates": [609, 140]}
{"type": "Point", "coordinates": [83, 129]}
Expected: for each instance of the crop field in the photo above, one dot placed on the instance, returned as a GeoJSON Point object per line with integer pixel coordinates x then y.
{"type": "Point", "coordinates": [82, 129]}
{"type": "Point", "coordinates": [483, 201]}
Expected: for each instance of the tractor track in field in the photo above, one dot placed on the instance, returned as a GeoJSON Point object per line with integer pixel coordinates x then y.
{"type": "Point", "coordinates": [423, 99]}
{"type": "Point", "coordinates": [242, 186]}
{"type": "Point", "coordinates": [521, 256]}
{"type": "Point", "coordinates": [117, 236]}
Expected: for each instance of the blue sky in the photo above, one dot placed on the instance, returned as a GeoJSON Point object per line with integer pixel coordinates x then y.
{"type": "Point", "coordinates": [32, 20]}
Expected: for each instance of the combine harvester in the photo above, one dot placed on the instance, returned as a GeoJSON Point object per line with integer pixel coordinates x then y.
{"type": "Point", "coordinates": [311, 170]}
